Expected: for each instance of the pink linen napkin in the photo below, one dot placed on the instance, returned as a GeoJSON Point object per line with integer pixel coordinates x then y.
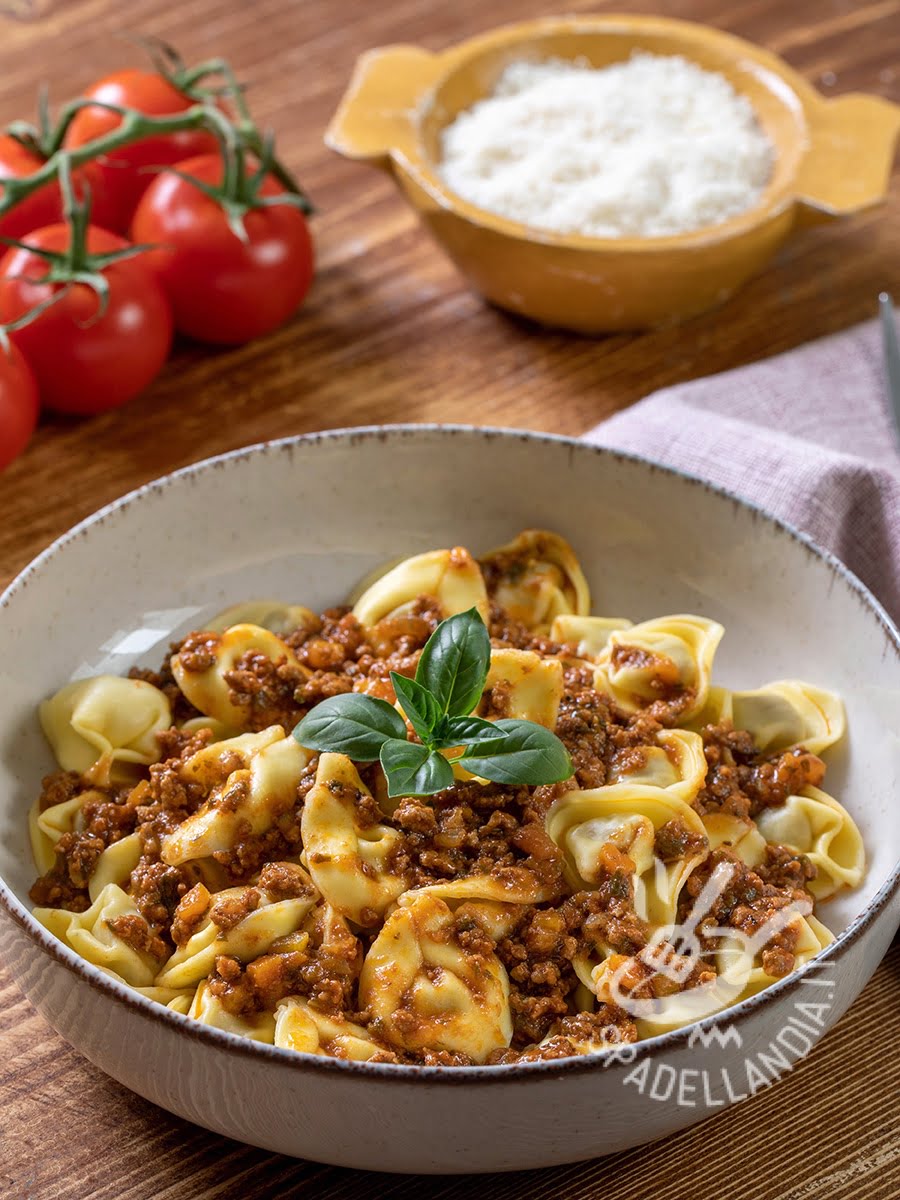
{"type": "Point", "coordinates": [806, 435]}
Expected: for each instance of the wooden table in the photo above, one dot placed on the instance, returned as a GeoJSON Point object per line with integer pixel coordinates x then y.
{"type": "Point", "coordinates": [390, 333]}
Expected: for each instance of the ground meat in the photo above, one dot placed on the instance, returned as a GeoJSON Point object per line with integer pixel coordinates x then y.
{"type": "Point", "coordinates": [158, 889]}
{"type": "Point", "coordinates": [674, 840]}
{"type": "Point", "coordinates": [604, 918]}
{"type": "Point", "coordinates": [785, 868]}
{"type": "Point", "coordinates": [607, 1025]}
{"type": "Point", "coordinates": [473, 829]}
{"type": "Point", "coordinates": [190, 914]}
{"type": "Point", "coordinates": [58, 788]}
{"type": "Point", "coordinates": [268, 692]}
{"type": "Point", "coordinates": [583, 727]}
{"type": "Point", "coordinates": [135, 932]}
{"type": "Point", "coordinates": [746, 904]}
{"type": "Point", "coordinates": [742, 782]}
{"type": "Point", "coordinates": [538, 959]}
{"type": "Point", "coordinates": [228, 911]}
{"type": "Point", "coordinates": [284, 881]}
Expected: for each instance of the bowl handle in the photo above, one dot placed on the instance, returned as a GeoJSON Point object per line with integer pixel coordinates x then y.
{"type": "Point", "coordinates": [848, 165]}
{"type": "Point", "coordinates": [375, 115]}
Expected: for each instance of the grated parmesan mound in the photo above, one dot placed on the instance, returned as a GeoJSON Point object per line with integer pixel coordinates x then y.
{"type": "Point", "coordinates": [644, 148]}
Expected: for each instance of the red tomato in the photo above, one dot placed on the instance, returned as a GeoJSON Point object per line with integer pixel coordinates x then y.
{"type": "Point", "coordinates": [44, 207]}
{"type": "Point", "coordinates": [85, 363]}
{"type": "Point", "coordinates": [122, 180]}
{"type": "Point", "coordinates": [18, 404]}
{"type": "Point", "coordinates": [224, 290]}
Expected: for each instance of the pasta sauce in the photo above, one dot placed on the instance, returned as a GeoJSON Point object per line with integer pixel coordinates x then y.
{"type": "Point", "coordinates": [191, 848]}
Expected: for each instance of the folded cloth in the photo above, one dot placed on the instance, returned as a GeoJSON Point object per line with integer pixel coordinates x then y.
{"type": "Point", "coordinates": [807, 436]}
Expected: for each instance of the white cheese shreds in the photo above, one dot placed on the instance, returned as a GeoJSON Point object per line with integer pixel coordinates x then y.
{"type": "Point", "coordinates": [643, 148]}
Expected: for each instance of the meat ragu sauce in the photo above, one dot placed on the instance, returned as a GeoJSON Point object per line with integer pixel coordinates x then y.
{"type": "Point", "coordinates": [470, 829]}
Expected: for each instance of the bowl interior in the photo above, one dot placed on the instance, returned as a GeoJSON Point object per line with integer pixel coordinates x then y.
{"type": "Point", "coordinates": [602, 41]}
{"type": "Point", "coordinates": [305, 520]}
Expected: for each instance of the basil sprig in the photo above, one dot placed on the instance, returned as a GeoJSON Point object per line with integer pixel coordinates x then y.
{"type": "Point", "coordinates": [438, 703]}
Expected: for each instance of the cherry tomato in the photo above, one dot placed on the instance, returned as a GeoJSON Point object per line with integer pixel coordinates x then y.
{"type": "Point", "coordinates": [122, 179]}
{"type": "Point", "coordinates": [44, 207]}
{"type": "Point", "coordinates": [18, 404]}
{"type": "Point", "coordinates": [222, 289]}
{"type": "Point", "coordinates": [84, 362]}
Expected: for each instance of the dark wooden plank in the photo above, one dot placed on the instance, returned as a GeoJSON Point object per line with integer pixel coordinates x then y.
{"type": "Point", "coordinates": [390, 333]}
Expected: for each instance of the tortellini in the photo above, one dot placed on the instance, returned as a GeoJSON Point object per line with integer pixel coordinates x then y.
{"type": "Point", "coordinates": [105, 720]}
{"type": "Point", "coordinates": [525, 687]}
{"type": "Point", "coordinates": [300, 1027]}
{"type": "Point", "coordinates": [590, 635]}
{"type": "Point", "coordinates": [739, 960]}
{"type": "Point", "coordinates": [208, 689]}
{"type": "Point", "coordinates": [814, 824]}
{"type": "Point", "coordinates": [209, 1010]}
{"type": "Point", "coordinates": [537, 577]}
{"type": "Point", "coordinates": [739, 834]}
{"type": "Point", "coordinates": [91, 934]}
{"type": "Point", "coordinates": [250, 799]}
{"type": "Point", "coordinates": [629, 816]}
{"type": "Point", "coordinates": [425, 990]}
{"type": "Point", "coordinates": [789, 713]}
{"type": "Point", "coordinates": [251, 920]}
{"type": "Point", "coordinates": [677, 763]}
{"type": "Point", "coordinates": [347, 857]}
{"type": "Point", "coordinates": [278, 618]}
{"type": "Point", "coordinates": [47, 826]}
{"type": "Point", "coordinates": [452, 577]}
{"type": "Point", "coordinates": [668, 658]}
{"type": "Point", "coordinates": [115, 864]}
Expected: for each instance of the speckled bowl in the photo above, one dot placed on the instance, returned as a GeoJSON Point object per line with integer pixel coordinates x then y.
{"type": "Point", "coordinates": [833, 158]}
{"type": "Point", "coordinates": [304, 519]}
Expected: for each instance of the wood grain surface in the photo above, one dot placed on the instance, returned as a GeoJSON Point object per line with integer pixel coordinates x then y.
{"type": "Point", "coordinates": [390, 333]}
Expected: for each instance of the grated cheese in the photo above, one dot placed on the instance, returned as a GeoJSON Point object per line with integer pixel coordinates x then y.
{"type": "Point", "coordinates": [644, 148]}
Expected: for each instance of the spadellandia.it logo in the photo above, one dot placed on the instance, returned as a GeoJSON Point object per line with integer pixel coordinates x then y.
{"type": "Point", "coordinates": [674, 953]}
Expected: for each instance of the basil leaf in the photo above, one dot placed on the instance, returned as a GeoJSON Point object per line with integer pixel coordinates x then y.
{"type": "Point", "coordinates": [465, 731]}
{"type": "Point", "coordinates": [414, 770]}
{"type": "Point", "coordinates": [528, 753]}
{"type": "Point", "coordinates": [455, 661]}
{"type": "Point", "coordinates": [350, 724]}
{"type": "Point", "coordinates": [417, 702]}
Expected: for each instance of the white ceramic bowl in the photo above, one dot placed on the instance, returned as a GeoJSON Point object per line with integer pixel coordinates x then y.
{"type": "Point", "coordinates": [303, 519]}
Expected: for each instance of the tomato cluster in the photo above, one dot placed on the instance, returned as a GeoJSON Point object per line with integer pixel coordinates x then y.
{"type": "Point", "coordinates": [124, 246]}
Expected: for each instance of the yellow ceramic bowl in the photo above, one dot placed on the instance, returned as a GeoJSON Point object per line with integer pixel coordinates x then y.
{"type": "Point", "coordinates": [833, 158]}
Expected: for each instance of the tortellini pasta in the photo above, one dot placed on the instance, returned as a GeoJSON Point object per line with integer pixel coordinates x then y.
{"type": "Point", "coordinates": [590, 635]}
{"type": "Point", "coordinates": [668, 658]}
{"type": "Point", "coordinates": [536, 578]}
{"type": "Point", "coordinates": [115, 864]}
{"type": "Point", "coordinates": [739, 962]}
{"type": "Point", "coordinates": [208, 689]}
{"type": "Point", "coordinates": [814, 824]}
{"type": "Point", "coordinates": [278, 618]}
{"type": "Point", "coordinates": [347, 857]}
{"type": "Point", "coordinates": [259, 918]}
{"type": "Point", "coordinates": [425, 990]}
{"type": "Point", "coordinates": [250, 799]}
{"type": "Point", "coordinates": [789, 713]}
{"type": "Point", "coordinates": [452, 577]}
{"type": "Point", "coordinates": [92, 935]}
{"type": "Point", "coordinates": [105, 720]}
{"type": "Point", "coordinates": [628, 816]}
{"type": "Point", "coordinates": [208, 1009]}
{"type": "Point", "coordinates": [302, 1028]}
{"type": "Point", "coordinates": [677, 763]}
{"type": "Point", "coordinates": [739, 834]}
{"type": "Point", "coordinates": [525, 687]}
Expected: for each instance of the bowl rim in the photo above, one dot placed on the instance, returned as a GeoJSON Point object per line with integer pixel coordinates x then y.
{"type": "Point", "coordinates": [770, 204]}
{"type": "Point", "coordinates": [406, 1073]}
